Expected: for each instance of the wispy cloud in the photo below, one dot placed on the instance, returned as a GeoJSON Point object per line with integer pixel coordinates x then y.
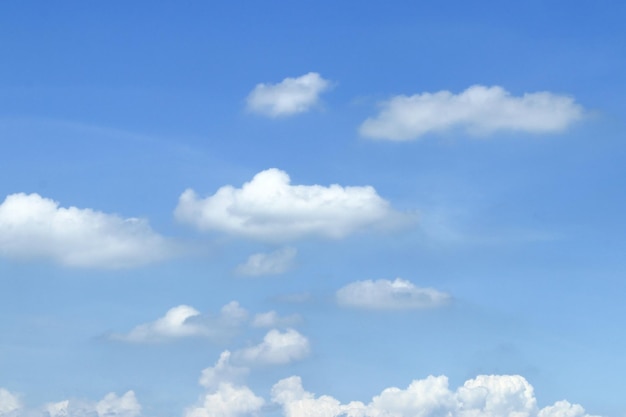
{"type": "Point", "coordinates": [273, 263]}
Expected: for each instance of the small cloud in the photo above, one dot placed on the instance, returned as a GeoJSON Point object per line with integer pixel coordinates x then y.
{"type": "Point", "coordinates": [273, 263]}
{"type": "Point", "coordinates": [223, 371]}
{"type": "Point", "coordinates": [9, 403]}
{"type": "Point", "coordinates": [184, 322]}
{"type": "Point", "coordinates": [277, 348]}
{"type": "Point", "coordinates": [228, 400]}
{"type": "Point", "coordinates": [290, 96]}
{"type": "Point", "coordinates": [479, 110]}
{"type": "Point", "coordinates": [34, 227]}
{"type": "Point", "coordinates": [272, 319]}
{"type": "Point", "coordinates": [113, 406]}
{"type": "Point", "coordinates": [384, 294]}
{"type": "Point", "coordinates": [269, 208]}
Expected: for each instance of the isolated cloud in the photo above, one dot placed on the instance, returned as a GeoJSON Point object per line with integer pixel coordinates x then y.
{"type": "Point", "coordinates": [484, 396]}
{"type": "Point", "coordinates": [33, 227]}
{"type": "Point", "coordinates": [270, 208]}
{"type": "Point", "coordinates": [479, 111]}
{"type": "Point", "coordinates": [222, 371]}
{"type": "Point", "coordinates": [384, 294]}
{"type": "Point", "coordinates": [290, 96]}
{"type": "Point", "coordinates": [272, 319]}
{"type": "Point", "coordinates": [185, 321]}
{"type": "Point", "coordinates": [277, 348]}
{"type": "Point", "coordinates": [9, 402]}
{"type": "Point", "coordinates": [273, 263]}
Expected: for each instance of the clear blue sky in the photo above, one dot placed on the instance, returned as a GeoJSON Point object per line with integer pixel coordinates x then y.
{"type": "Point", "coordinates": [430, 189]}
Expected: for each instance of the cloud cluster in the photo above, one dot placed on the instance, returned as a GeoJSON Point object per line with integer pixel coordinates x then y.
{"type": "Point", "coordinates": [185, 321]}
{"type": "Point", "coordinates": [34, 227]}
{"type": "Point", "coordinates": [384, 294]}
{"type": "Point", "coordinates": [270, 208]}
{"type": "Point", "coordinates": [479, 111]}
{"type": "Point", "coordinates": [273, 263]}
{"type": "Point", "coordinates": [289, 97]}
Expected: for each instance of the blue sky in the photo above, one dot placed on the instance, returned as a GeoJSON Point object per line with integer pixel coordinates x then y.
{"type": "Point", "coordinates": [289, 208]}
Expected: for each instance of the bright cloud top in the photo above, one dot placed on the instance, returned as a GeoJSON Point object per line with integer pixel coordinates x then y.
{"type": "Point", "coordinates": [277, 348]}
{"type": "Point", "coordinates": [9, 402]}
{"type": "Point", "coordinates": [484, 396]}
{"type": "Point", "coordinates": [33, 227]}
{"type": "Point", "coordinates": [290, 96]}
{"type": "Point", "coordinates": [273, 263]}
{"type": "Point", "coordinates": [185, 321]}
{"type": "Point", "coordinates": [228, 401]}
{"type": "Point", "coordinates": [384, 294]}
{"type": "Point", "coordinates": [222, 372]}
{"type": "Point", "coordinates": [270, 208]}
{"type": "Point", "coordinates": [479, 111]}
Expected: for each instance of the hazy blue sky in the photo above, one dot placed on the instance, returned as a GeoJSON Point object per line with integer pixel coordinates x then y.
{"type": "Point", "coordinates": [228, 209]}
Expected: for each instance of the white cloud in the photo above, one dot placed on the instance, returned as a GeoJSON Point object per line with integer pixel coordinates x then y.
{"type": "Point", "coordinates": [228, 401]}
{"type": "Point", "coordinates": [479, 110]}
{"type": "Point", "coordinates": [272, 319]}
{"type": "Point", "coordinates": [277, 348]}
{"type": "Point", "coordinates": [33, 227]}
{"type": "Point", "coordinates": [9, 403]}
{"type": "Point", "coordinates": [484, 396]}
{"type": "Point", "coordinates": [113, 406]}
{"type": "Point", "coordinates": [270, 208]}
{"type": "Point", "coordinates": [290, 96]}
{"type": "Point", "coordinates": [185, 321]}
{"type": "Point", "coordinates": [222, 372]}
{"type": "Point", "coordinates": [273, 263]}
{"type": "Point", "coordinates": [58, 409]}
{"type": "Point", "coordinates": [384, 294]}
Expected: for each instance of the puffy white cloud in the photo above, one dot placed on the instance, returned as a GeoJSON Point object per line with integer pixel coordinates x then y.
{"type": "Point", "coordinates": [9, 403]}
{"type": "Point", "coordinates": [277, 348]}
{"type": "Point", "coordinates": [290, 96]}
{"type": "Point", "coordinates": [185, 321]}
{"type": "Point", "coordinates": [272, 319]}
{"type": "Point", "coordinates": [273, 263]}
{"type": "Point", "coordinates": [113, 406]}
{"type": "Point", "coordinates": [479, 110]}
{"type": "Point", "coordinates": [484, 396]}
{"type": "Point", "coordinates": [222, 371]}
{"type": "Point", "coordinates": [58, 409]}
{"type": "Point", "coordinates": [384, 294]}
{"type": "Point", "coordinates": [33, 227]}
{"type": "Point", "coordinates": [270, 208]}
{"type": "Point", "coordinates": [228, 401]}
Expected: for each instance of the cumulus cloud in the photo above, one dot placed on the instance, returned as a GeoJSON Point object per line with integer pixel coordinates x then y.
{"type": "Point", "coordinates": [484, 396]}
{"type": "Point", "coordinates": [273, 263]}
{"type": "Point", "coordinates": [270, 208]}
{"type": "Point", "coordinates": [290, 96]}
{"type": "Point", "coordinates": [228, 401]}
{"type": "Point", "coordinates": [384, 294]}
{"type": "Point", "coordinates": [222, 371]}
{"type": "Point", "coordinates": [479, 111]}
{"type": "Point", "coordinates": [277, 348]}
{"type": "Point", "coordinates": [184, 321]}
{"type": "Point", "coordinates": [34, 227]}
{"type": "Point", "coordinates": [272, 319]}
{"type": "Point", "coordinates": [113, 406]}
{"type": "Point", "coordinates": [9, 403]}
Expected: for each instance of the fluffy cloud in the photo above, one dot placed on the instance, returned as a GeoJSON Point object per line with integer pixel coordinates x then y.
{"type": "Point", "coordinates": [33, 227]}
{"type": "Point", "coordinates": [479, 110]}
{"type": "Point", "coordinates": [185, 321]}
{"type": "Point", "coordinates": [9, 403]}
{"type": "Point", "coordinates": [228, 401]}
{"type": "Point", "coordinates": [273, 263]}
{"type": "Point", "coordinates": [384, 294]}
{"type": "Point", "coordinates": [484, 396]}
{"type": "Point", "coordinates": [277, 348]}
{"type": "Point", "coordinates": [272, 319]}
{"type": "Point", "coordinates": [270, 208]}
{"type": "Point", "coordinates": [290, 96]}
{"type": "Point", "coordinates": [222, 371]}
{"type": "Point", "coordinates": [113, 406]}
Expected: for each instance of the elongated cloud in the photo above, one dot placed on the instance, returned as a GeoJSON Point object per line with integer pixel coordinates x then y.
{"type": "Point", "coordinates": [277, 348]}
{"type": "Point", "coordinates": [270, 208]}
{"type": "Point", "coordinates": [273, 263]}
{"type": "Point", "coordinates": [384, 294]}
{"type": "Point", "coordinates": [289, 97]}
{"type": "Point", "coordinates": [185, 321]}
{"type": "Point", "coordinates": [272, 319]}
{"type": "Point", "coordinates": [479, 110]}
{"type": "Point", "coordinates": [34, 227]}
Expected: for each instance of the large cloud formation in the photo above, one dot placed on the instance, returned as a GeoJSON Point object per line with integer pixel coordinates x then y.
{"type": "Point", "coordinates": [384, 294]}
{"type": "Point", "coordinates": [290, 96]}
{"type": "Point", "coordinates": [479, 111]}
{"type": "Point", "coordinates": [270, 208]}
{"type": "Point", "coordinates": [34, 227]}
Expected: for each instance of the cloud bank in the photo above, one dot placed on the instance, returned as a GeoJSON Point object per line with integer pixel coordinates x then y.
{"type": "Point", "coordinates": [273, 263]}
{"type": "Point", "coordinates": [269, 208]}
{"type": "Point", "coordinates": [384, 294]}
{"type": "Point", "coordinates": [479, 111]}
{"type": "Point", "coordinates": [34, 227]}
{"type": "Point", "coordinates": [290, 96]}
